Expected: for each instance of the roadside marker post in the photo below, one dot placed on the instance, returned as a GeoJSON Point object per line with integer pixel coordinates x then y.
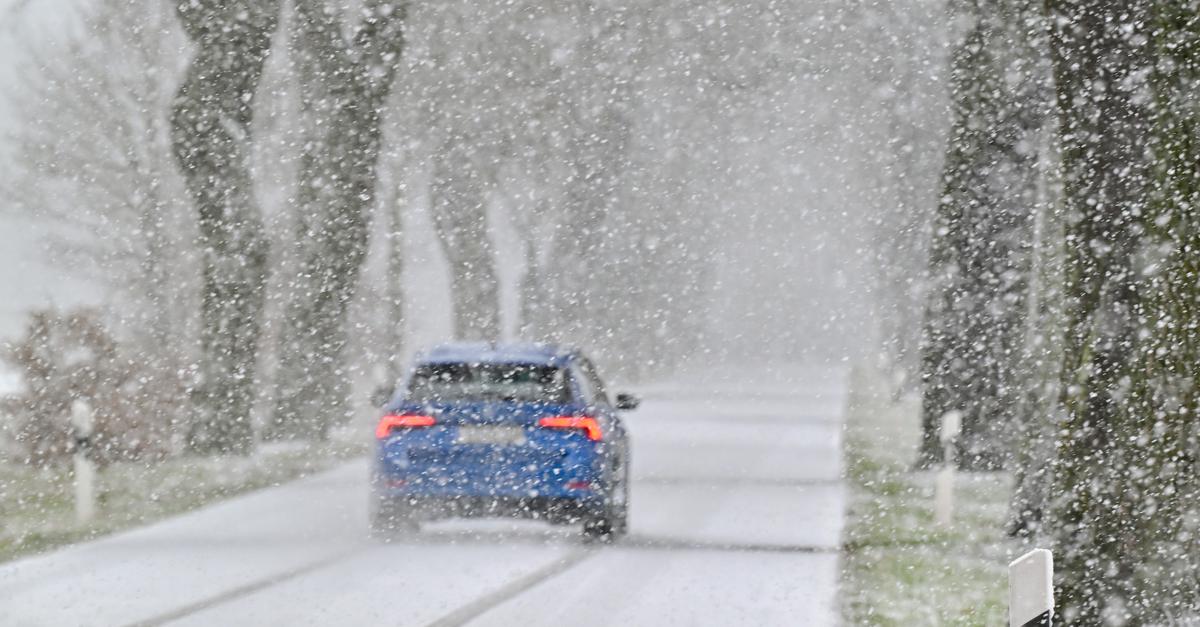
{"type": "Point", "coordinates": [943, 497]}
{"type": "Point", "coordinates": [85, 469]}
{"type": "Point", "coordinates": [1031, 590]}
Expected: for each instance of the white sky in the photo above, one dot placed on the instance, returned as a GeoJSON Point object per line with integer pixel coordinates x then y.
{"type": "Point", "coordinates": [25, 280]}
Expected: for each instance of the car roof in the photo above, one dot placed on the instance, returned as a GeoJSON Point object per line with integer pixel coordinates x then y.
{"type": "Point", "coordinates": [500, 353]}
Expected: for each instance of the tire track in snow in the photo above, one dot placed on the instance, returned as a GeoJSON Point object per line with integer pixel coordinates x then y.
{"type": "Point", "coordinates": [655, 543]}
{"type": "Point", "coordinates": [244, 590]}
{"type": "Point", "coordinates": [781, 482]}
{"type": "Point", "coordinates": [478, 607]}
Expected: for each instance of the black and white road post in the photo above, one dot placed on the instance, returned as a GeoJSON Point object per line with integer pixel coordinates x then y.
{"type": "Point", "coordinates": [943, 496]}
{"type": "Point", "coordinates": [1031, 590]}
{"type": "Point", "coordinates": [85, 468]}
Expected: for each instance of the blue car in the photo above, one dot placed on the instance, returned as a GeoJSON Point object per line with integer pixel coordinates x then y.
{"type": "Point", "coordinates": [523, 430]}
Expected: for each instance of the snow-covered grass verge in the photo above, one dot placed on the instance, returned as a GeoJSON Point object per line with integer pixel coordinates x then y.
{"type": "Point", "coordinates": [899, 567]}
{"type": "Point", "coordinates": [37, 508]}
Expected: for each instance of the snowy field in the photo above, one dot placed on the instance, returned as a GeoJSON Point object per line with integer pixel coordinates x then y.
{"type": "Point", "coordinates": [737, 519]}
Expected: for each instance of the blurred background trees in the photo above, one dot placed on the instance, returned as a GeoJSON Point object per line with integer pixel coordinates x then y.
{"type": "Point", "coordinates": [293, 197]}
{"type": "Point", "coordinates": [94, 164]}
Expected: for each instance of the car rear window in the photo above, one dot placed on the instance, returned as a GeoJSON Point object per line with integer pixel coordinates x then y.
{"type": "Point", "coordinates": [456, 382]}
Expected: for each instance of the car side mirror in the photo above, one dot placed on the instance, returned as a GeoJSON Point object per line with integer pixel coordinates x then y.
{"type": "Point", "coordinates": [627, 402]}
{"type": "Point", "coordinates": [381, 395]}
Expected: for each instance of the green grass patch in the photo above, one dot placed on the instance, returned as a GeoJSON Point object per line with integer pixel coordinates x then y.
{"type": "Point", "coordinates": [899, 566]}
{"type": "Point", "coordinates": [37, 507]}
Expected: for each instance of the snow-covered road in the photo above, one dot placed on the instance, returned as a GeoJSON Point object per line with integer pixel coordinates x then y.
{"type": "Point", "coordinates": [737, 512]}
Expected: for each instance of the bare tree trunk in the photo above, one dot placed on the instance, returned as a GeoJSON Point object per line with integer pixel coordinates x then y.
{"type": "Point", "coordinates": [533, 321]}
{"type": "Point", "coordinates": [1040, 409]}
{"type": "Point", "coordinates": [980, 255]}
{"type": "Point", "coordinates": [1099, 52]}
{"type": "Point", "coordinates": [347, 84]}
{"type": "Point", "coordinates": [396, 201]}
{"type": "Point", "coordinates": [458, 202]}
{"type": "Point", "coordinates": [211, 136]}
{"type": "Point", "coordinates": [599, 153]}
{"type": "Point", "coordinates": [1161, 488]}
{"type": "Point", "coordinates": [581, 241]}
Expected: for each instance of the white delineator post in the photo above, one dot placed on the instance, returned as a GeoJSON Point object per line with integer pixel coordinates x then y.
{"type": "Point", "coordinates": [85, 469]}
{"type": "Point", "coordinates": [943, 496]}
{"type": "Point", "coordinates": [1031, 589]}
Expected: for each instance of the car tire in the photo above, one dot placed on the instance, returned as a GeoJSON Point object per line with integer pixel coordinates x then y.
{"type": "Point", "coordinates": [390, 520]}
{"type": "Point", "coordinates": [612, 521]}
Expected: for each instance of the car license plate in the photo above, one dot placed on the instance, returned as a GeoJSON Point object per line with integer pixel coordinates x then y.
{"type": "Point", "coordinates": [489, 434]}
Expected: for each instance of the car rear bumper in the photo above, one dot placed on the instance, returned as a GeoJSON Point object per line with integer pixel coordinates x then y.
{"type": "Point", "coordinates": [506, 487]}
{"type": "Point", "coordinates": [553, 509]}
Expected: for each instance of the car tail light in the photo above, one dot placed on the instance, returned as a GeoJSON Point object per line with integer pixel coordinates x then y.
{"type": "Point", "coordinates": [585, 423]}
{"type": "Point", "coordinates": [401, 421]}
{"type": "Point", "coordinates": [578, 485]}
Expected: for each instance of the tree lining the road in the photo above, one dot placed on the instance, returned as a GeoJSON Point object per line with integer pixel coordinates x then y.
{"type": "Point", "coordinates": [982, 235]}
{"type": "Point", "coordinates": [348, 81]}
{"type": "Point", "coordinates": [211, 132]}
{"type": "Point", "coordinates": [1100, 433]}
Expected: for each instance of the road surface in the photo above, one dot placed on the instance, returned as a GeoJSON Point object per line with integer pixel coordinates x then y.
{"type": "Point", "coordinates": [736, 519]}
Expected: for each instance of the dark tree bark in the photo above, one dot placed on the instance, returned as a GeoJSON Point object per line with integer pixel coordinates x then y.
{"type": "Point", "coordinates": [211, 136]}
{"type": "Point", "coordinates": [1099, 52]}
{"type": "Point", "coordinates": [347, 82]}
{"type": "Point", "coordinates": [1160, 493]}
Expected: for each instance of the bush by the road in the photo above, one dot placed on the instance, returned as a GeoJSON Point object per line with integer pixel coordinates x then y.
{"type": "Point", "coordinates": [65, 356]}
